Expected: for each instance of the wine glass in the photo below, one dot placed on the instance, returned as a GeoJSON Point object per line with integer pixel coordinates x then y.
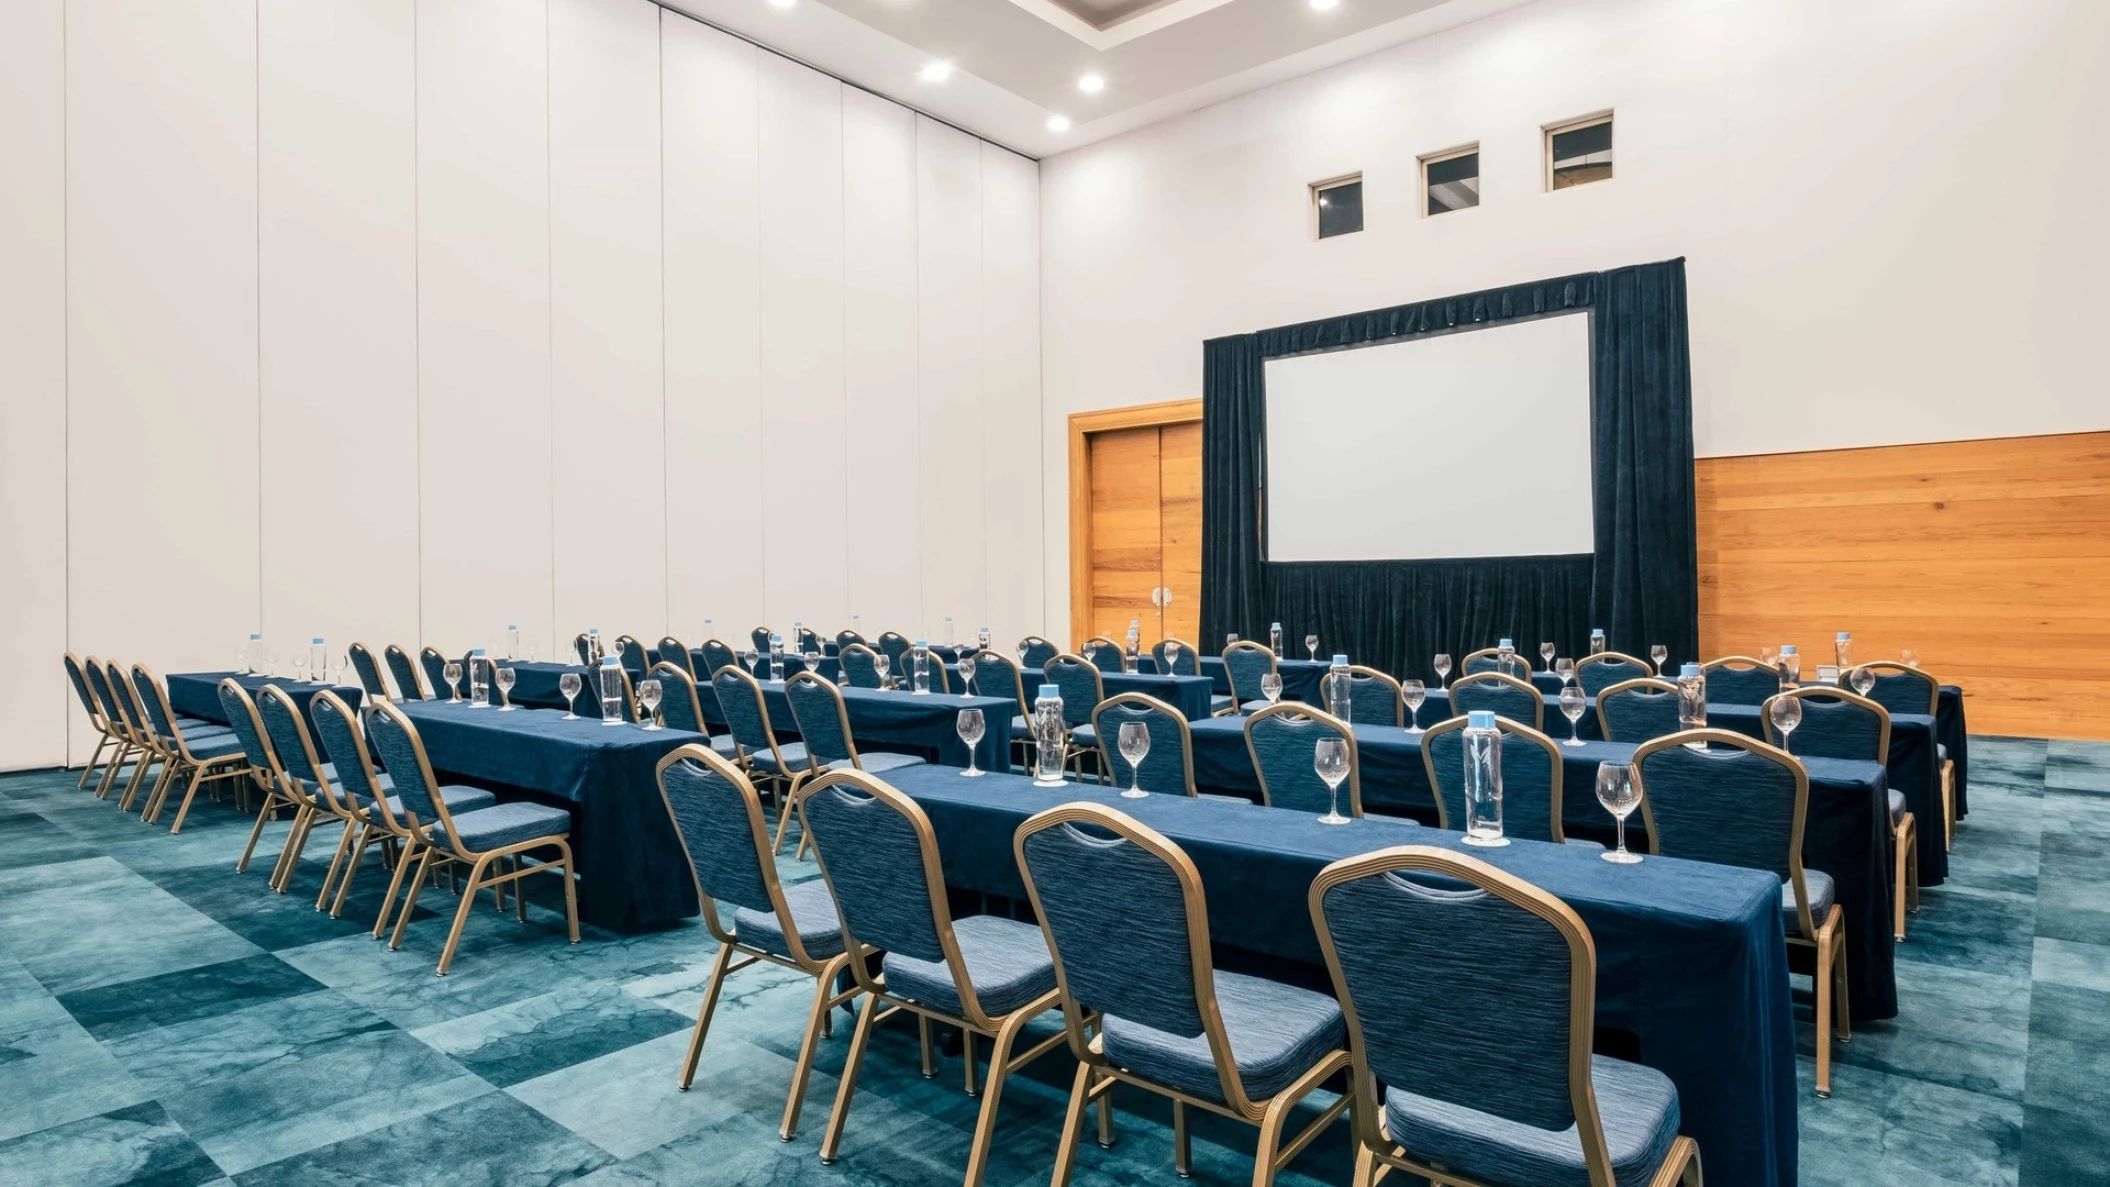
{"type": "Point", "coordinates": [1443, 667]}
{"type": "Point", "coordinates": [1565, 669]}
{"type": "Point", "coordinates": [1022, 649]}
{"type": "Point", "coordinates": [970, 725]}
{"type": "Point", "coordinates": [242, 660]}
{"type": "Point", "coordinates": [1765, 654]}
{"type": "Point", "coordinates": [1135, 743]}
{"type": "Point", "coordinates": [966, 667]}
{"type": "Point", "coordinates": [271, 662]}
{"type": "Point", "coordinates": [1786, 713]}
{"type": "Point", "coordinates": [506, 676]}
{"type": "Point", "coordinates": [1413, 692]}
{"type": "Point", "coordinates": [1330, 759]}
{"type": "Point", "coordinates": [747, 660]}
{"type": "Point", "coordinates": [1311, 644]}
{"type": "Point", "coordinates": [569, 684]}
{"type": "Point", "coordinates": [300, 667]}
{"type": "Point", "coordinates": [648, 691]}
{"type": "Point", "coordinates": [880, 662]}
{"type": "Point", "coordinates": [1230, 639]}
{"type": "Point", "coordinates": [530, 651]}
{"type": "Point", "coordinates": [1573, 701]}
{"type": "Point", "coordinates": [1271, 687]}
{"type": "Point", "coordinates": [1546, 652]}
{"type": "Point", "coordinates": [1911, 658]}
{"type": "Point", "coordinates": [453, 674]}
{"type": "Point", "coordinates": [1657, 654]}
{"type": "Point", "coordinates": [1616, 791]}
{"type": "Point", "coordinates": [1172, 655]}
{"type": "Point", "coordinates": [1863, 680]}
{"type": "Point", "coordinates": [812, 659]}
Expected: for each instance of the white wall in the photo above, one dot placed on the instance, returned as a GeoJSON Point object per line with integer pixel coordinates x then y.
{"type": "Point", "coordinates": [1891, 212]}
{"type": "Point", "coordinates": [403, 320]}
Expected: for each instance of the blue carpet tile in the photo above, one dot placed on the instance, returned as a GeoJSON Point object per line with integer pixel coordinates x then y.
{"type": "Point", "coordinates": [164, 1020]}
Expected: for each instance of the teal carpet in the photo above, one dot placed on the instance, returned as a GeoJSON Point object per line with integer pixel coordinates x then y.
{"type": "Point", "coordinates": [165, 1021]}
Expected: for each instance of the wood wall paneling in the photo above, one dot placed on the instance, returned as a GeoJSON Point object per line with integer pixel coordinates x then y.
{"type": "Point", "coordinates": [1126, 552]}
{"type": "Point", "coordinates": [1180, 529]}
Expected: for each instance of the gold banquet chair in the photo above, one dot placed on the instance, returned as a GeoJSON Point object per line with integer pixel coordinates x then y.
{"type": "Point", "coordinates": [106, 734]}
{"type": "Point", "coordinates": [1902, 688]}
{"type": "Point", "coordinates": [1836, 723]}
{"type": "Point", "coordinates": [191, 755]}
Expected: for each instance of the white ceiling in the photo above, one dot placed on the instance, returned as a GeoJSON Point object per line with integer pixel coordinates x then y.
{"type": "Point", "coordinates": [1016, 62]}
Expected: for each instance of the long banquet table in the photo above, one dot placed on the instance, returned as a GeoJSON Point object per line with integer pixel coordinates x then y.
{"type": "Point", "coordinates": [197, 694]}
{"type": "Point", "coordinates": [1189, 694]}
{"type": "Point", "coordinates": [1691, 959]}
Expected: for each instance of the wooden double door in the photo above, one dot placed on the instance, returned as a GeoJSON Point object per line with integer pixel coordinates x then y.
{"type": "Point", "coordinates": [1136, 522]}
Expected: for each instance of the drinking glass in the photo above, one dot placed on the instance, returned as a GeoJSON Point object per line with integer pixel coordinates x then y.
{"type": "Point", "coordinates": [1546, 652]}
{"type": "Point", "coordinates": [1765, 654]}
{"type": "Point", "coordinates": [1573, 701]}
{"type": "Point", "coordinates": [1172, 655]}
{"type": "Point", "coordinates": [453, 673]}
{"type": "Point", "coordinates": [300, 667]}
{"type": "Point", "coordinates": [966, 666]}
{"type": "Point", "coordinates": [1443, 667]}
{"type": "Point", "coordinates": [812, 660]}
{"type": "Point", "coordinates": [1863, 680]}
{"type": "Point", "coordinates": [1658, 654]}
{"type": "Point", "coordinates": [1330, 759]}
{"type": "Point", "coordinates": [747, 660]}
{"type": "Point", "coordinates": [1022, 651]}
{"type": "Point", "coordinates": [1413, 692]}
{"type": "Point", "coordinates": [1911, 658]}
{"type": "Point", "coordinates": [569, 684]}
{"type": "Point", "coordinates": [530, 652]}
{"type": "Point", "coordinates": [1135, 743]}
{"type": "Point", "coordinates": [271, 662]}
{"type": "Point", "coordinates": [879, 665]}
{"type": "Point", "coordinates": [242, 660]}
{"type": "Point", "coordinates": [1616, 791]}
{"type": "Point", "coordinates": [1786, 713]}
{"type": "Point", "coordinates": [1311, 644]}
{"type": "Point", "coordinates": [1565, 669]}
{"type": "Point", "coordinates": [970, 725]}
{"type": "Point", "coordinates": [1271, 687]}
{"type": "Point", "coordinates": [1230, 639]}
{"type": "Point", "coordinates": [506, 676]}
{"type": "Point", "coordinates": [339, 668]}
{"type": "Point", "coordinates": [648, 695]}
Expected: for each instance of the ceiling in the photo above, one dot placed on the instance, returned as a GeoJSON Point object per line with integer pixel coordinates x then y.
{"type": "Point", "coordinates": [1016, 63]}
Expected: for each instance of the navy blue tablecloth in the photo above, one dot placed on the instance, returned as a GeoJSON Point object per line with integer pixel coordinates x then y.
{"type": "Point", "coordinates": [632, 872]}
{"type": "Point", "coordinates": [1691, 959]}
{"type": "Point", "coordinates": [927, 725]}
{"type": "Point", "coordinates": [1952, 733]}
{"type": "Point", "coordinates": [197, 694]}
{"type": "Point", "coordinates": [1189, 694]}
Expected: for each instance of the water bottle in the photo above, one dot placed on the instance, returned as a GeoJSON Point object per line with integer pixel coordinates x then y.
{"type": "Point", "coordinates": [1131, 659]}
{"type": "Point", "coordinates": [1483, 779]}
{"type": "Point", "coordinates": [857, 625]}
{"type": "Point", "coordinates": [798, 636]}
{"type": "Point", "coordinates": [1692, 701]}
{"type": "Point", "coordinates": [1274, 639]}
{"type": "Point", "coordinates": [318, 660]}
{"type": "Point", "coordinates": [1844, 647]}
{"type": "Point", "coordinates": [512, 640]}
{"type": "Point", "coordinates": [981, 638]}
{"type": "Point", "coordinates": [919, 663]}
{"type": "Point", "coordinates": [776, 658]}
{"type": "Point", "coordinates": [594, 654]}
{"type": "Point", "coordinates": [1048, 737]}
{"type": "Point", "coordinates": [1596, 639]}
{"type": "Point", "coordinates": [611, 690]}
{"type": "Point", "coordinates": [1790, 665]}
{"type": "Point", "coordinates": [479, 691]}
{"type": "Point", "coordinates": [1507, 657]}
{"type": "Point", "coordinates": [1339, 694]}
{"type": "Point", "coordinates": [253, 658]}
{"type": "Point", "coordinates": [708, 631]}
{"type": "Point", "coordinates": [948, 630]}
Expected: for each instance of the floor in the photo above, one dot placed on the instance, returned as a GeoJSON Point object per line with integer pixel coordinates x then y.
{"type": "Point", "coordinates": [165, 1021]}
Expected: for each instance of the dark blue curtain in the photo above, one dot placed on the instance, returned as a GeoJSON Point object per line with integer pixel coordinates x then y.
{"type": "Point", "coordinates": [1642, 582]}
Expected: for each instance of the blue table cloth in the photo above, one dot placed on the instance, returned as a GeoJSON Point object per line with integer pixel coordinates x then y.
{"type": "Point", "coordinates": [632, 872]}
{"type": "Point", "coordinates": [197, 694]}
{"type": "Point", "coordinates": [1189, 694]}
{"type": "Point", "coordinates": [1691, 959]}
{"type": "Point", "coordinates": [887, 719]}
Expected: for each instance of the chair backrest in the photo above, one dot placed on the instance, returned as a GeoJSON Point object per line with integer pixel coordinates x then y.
{"type": "Point", "coordinates": [759, 637]}
{"type": "Point", "coordinates": [805, 639]}
{"type": "Point", "coordinates": [1634, 711]}
{"type": "Point", "coordinates": [1169, 764]}
{"type": "Point", "coordinates": [126, 699]}
{"type": "Point", "coordinates": [1127, 924]}
{"type": "Point", "coordinates": [679, 705]}
{"type": "Point", "coordinates": [435, 664]}
{"type": "Point", "coordinates": [1373, 697]}
{"type": "Point", "coordinates": [337, 727]}
{"type": "Point", "coordinates": [1281, 740]}
{"type": "Point", "coordinates": [818, 714]}
{"type": "Point", "coordinates": [1506, 696]}
{"type": "Point", "coordinates": [1739, 802]}
{"type": "Point", "coordinates": [78, 678]}
{"type": "Point", "coordinates": [674, 651]}
{"type": "Point", "coordinates": [997, 675]}
{"type": "Point", "coordinates": [636, 661]}
{"type": "Point", "coordinates": [1035, 652]}
{"type": "Point", "coordinates": [368, 672]}
{"type": "Point", "coordinates": [1489, 659]}
{"type": "Point", "coordinates": [1532, 778]}
{"type": "Point", "coordinates": [1739, 680]}
{"type": "Point", "coordinates": [1186, 661]}
{"type": "Point", "coordinates": [1080, 685]}
{"type": "Point", "coordinates": [718, 819]}
{"type": "Point", "coordinates": [1836, 723]}
{"type": "Point", "coordinates": [746, 713]}
{"type": "Point", "coordinates": [159, 717]}
{"type": "Point", "coordinates": [1902, 689]}
{"type": "Point", "coordinates": [717, 654]}
{"type": "Point", "coordinates": [1595, 673]}
{"type": "Point", "coordinates": [942, 676]}
{"type": "Point", "coordinates": [845, 638]}
{"type": "Point", "coordinates": [860, 664]}
{"type": "Point", "coordinates": [409, 686]}
{"type": "Point", "coordinates": [1498, 1013]}
{"type": "Point", "coordinates": [402, 751]}
{"type": "Point", "coordinates": [1246, 662]}
{"type": "Point", "coordinates": [248, 726]}
{"type": "Point", "coordinates": [293, 744]}
{"type": "Point", "coordinates": [894, 645]}
{"type": "Point", "coordinates": [1104, 653]}
{"type": "Point", "coordinates": [99, 684]}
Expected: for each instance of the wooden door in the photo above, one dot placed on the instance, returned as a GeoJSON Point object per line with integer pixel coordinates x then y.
{"type": "Point", "coordinates": [1180, 529]}
{"type": "Point", "coordinates": [1126, 549]}
{"type": "Point", "coordinates": [1135, 522]}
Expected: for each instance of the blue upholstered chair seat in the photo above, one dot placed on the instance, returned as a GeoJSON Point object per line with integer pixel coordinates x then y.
{"type": "Point", "coordinates": [460, 800]}
{"type": "Point", "coordinates": [877, 761]}
{"type": "Point", "coordinates": [1823, 893]}
{"type": "Point", "coordinates": [1218, 704]}
{"type": "Point", "coordinates": [1007, 962]}
{"type": "Point", "coordinates": [508, 824]}
{"type": "Point", "coordinates": [1021, 728]}
{"type": "Point", "coordinates": [1084, 735]}
{"type": "Point", "coordinates": [1897, 805]}
{"type": "Point", "coordinates": [1637, 1105]}
{"type": "Point", "coordinates": [209, 746]}
{"type": "Point", "coordinates": [812, 915]}
{"type": "Point", "coordinates": [1941, 752]}
{"type": "Point", "coordinates": [1276, 1033]}
{"type": "Point", "coordinates": [1255, 706]}
{"type": "Point", "coordinates": [794, 759]}
{"type": "Point", "coordinates": [725, 745]}
{"type": "Point", "coordinates": [193, 726]}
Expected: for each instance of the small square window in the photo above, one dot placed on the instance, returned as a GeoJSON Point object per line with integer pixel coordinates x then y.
{"type": "Point", "coordinates": [1578, 153]}
{"type": "Point", "coordinates": [1338, 206]}
{"type": "Point", "coordinates": [1450, 180]}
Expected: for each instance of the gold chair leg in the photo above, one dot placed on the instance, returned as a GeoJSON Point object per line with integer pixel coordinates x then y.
{"type": "Point", "coordinates": [1897, 898]}
{"type": "Point", "coordinates": [173, 770]}
{"type": "Point", "coordinates": [94, 760]}
{"type": "Point", "coordinates": [147, 759]}
{"type": "Point", "coordinates": [993, 1092]}
{"type": "Point", "coordinates": [395, 885]}
{"type": "Point", "coordinates": [461, 914]}
{"type": "Point", "coordinates": [1182, 1146]}
{"type": "Point", "coordinates": [967, 1060]}
{"type": "Point", "coordinates": [1824, 1012]}
{"type": "Point", "coordinates": [571, 893]}
{"type": "Point", "coordinates": [110, 773]}
{"type": "Point", "coordinates": [296, 840]}
{"type": "Point", "coordinates": [1365, 1167]}
{"type": "Point", "coordinates": [344, 888]}
{"type": "Point", "coordinates": [344, 847]}
{"type": "Point", "coordinates": [825, 999]}
{"type": "Point", "coordinates": [784, 812]}
{"type": "Point", "coordinates": [703, 1016]}
{"type": "Point", "coordinates": [930, 1064]}
{"type": "Point", "coordinates": [190, 793]}
{"type": "Point", "coordinates": [256, 831]}
{"type": "Point", "coordinates": [1948, 804]}
{"type": "Point", "coordinates": [1842, 1021]}
{"type": "Point", "coordinates": [1072, 1126]}
{"type": "Point", "coordinates": [846, 1087]}
{"type": "Point", "coordinates": [410, 901]}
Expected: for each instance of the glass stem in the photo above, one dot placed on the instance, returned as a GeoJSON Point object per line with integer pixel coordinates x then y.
{"type": "Point", "coordinates": [1333, 800]}
{"type": "Point", "coordinates": [1622, 833]}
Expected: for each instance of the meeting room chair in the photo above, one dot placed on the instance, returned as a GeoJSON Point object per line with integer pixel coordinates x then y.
{"type": "Point", "coordinates": [1741, 802]}
{"type": "Point", "coordinates": [1595, 673]}
{"type": "Point", "coordinates": [1739, 680]}
{"type": "Point", "coordinates": [674, 651]}
{"type": "Point", "coordinates": [1281, 740]}
{"type": "Point", "coordinates": [152, 753]}
{"type": "Point", "coordinates": [1634, 711]}
{"type": "Point", "coordinates": [718, 819]}
{"type": "Point", "coordinates": [1245, 662]}
{"type": "Point", "coordinates": [1035, 652]}
{"type": "Point", "coordinates": [1532, 780]}
{"type": "Point", "coordinates": [301, 783]}
{"type": "Point", "coordinates": [367, 671]}
{"type": "Point", "coordinates": [1837, 723]}
{"type": "Point", "coordinates": [895, 646]}
{"type": "Point", "coordinates": [636, 661]}
{"type": "Point", "coordinates": [433, 661]}
{"type": "Point", "coordinates": [194, 757]}
{"type": "Point", "coordinates": [1374, 698]}
{"type": "Point", "coordinates": [805, 639]}
{"type": "Point", "coordinates": [111, 687]}
{"type": "Point", "coordinates": [998, 675]}
{"type": "Point", "coordinates": [1168, 766]}
{"type": "Point", "coordinates": [1504, 696]}
{"type": "Point", "coordinates": [718, 654]}
{"type": "Point", "coordinates": [1082, 686]}
{"type": "Point", "coordinates": [1479, 1068]}
{"type": "Point", "coordinates": [779, 766]}
{"type": "Point", "coordinates": [859, 664]}
{"type": "Point", "coordinates": [1489, 659]}
{"type": "Point", "coordinates": [263, 770]}
{"type": "Point", "coordinates": [1143, 1003]}
{"type": "Point", "coordinates": [1187, 661]}
{"type": "Point", "coordinates": [490, 842]}
{"type": "Point", "coordinates": [986, 975]}
{"type": "Point", "coordinates": [1104, 653]}
{"type": "Point", "coordinates": [409, 686]}
{"type": "Point", "coordinates": [106, 735]}
{"type": "Point", "coordinates": [845, 638]}
{"type": "Point", "coordinates": [681, 707]}
{"type": "Point", "coordinates": [1902, 688]}
{"type": "Point", "coordinates": [106, 711]}
{"type": "Point", "coordinates": [758, 638]}
{"type": "Point", "coordinates": [823, 722]}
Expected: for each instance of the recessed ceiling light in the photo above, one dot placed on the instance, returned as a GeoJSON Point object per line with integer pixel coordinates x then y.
{"type": "Point", "coordinates": [1323, 5]}
{"type": "Point", "coordinates": [935, 72]}
{"type": "Point", "coordinates": [1091, 84]}
{"type": "Point", "coordinates": [1058, 123]}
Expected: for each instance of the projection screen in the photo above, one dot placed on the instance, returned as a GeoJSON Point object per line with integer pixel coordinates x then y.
{"type": "Point", "coordinates": [1468, 444]}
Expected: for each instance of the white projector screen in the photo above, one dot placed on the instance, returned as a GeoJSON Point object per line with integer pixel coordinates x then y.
{"type": "Point", "coordinates": [1468, 444]}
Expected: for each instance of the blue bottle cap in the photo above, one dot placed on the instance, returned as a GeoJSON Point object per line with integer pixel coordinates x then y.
{"type": "Point", "coordinates": [1597, 630]}
{"type": "Point", "coordinates": [593, 630]}
{"type": "Point", "coordinates": [1480, 719]}
{"type": "Point", "coordinates": [1505, 643]}
{"type": "Point", "coordinates": [609, 661]}
{"type": "Point", "coordinates": [478, 651]}
{"type": "Point", "coordinates": [1340, 661]}
{"type": "Point", "coordinates": [512, 626]}
{"type": "Point", "coordinates": [318, 640]}
{"type": "Point", "coordinates": [253, 638]}
{"type": "Point", "coordinates": [775, 639]}
{"type": "Point", "coordinates": [1787, 649]}
{"type": "Point", "coordinates": [1689, 671]}
{"type": "Point", "coordinates": [922, 643]}
{"type": "Point", "coordinates": [1844, 636]}
{"type": "Point", "coordinates": [1048, 693]}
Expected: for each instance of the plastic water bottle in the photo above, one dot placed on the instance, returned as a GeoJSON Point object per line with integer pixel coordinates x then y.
{"type": "Point", "coordinates": [948, 630]}
{"type": "Point", "coordinates": [1339, 693]}
{"type": "Point", "coordinates": [1132, 657]}
{"type": "Point", "coordinates": [594, 654]}
{"type": "Point", "coordinates": [253, 658]}
{"type": "Point", "coordinates": [1507, 657]}
{"type": "Point", "coordinates": [981, 638]}
{"type": "Point", "coordinates": [798, 636]}
{"type": "Point", "coordinates": [1483, 779]}
{"type": "Point", "coordinates": [709, 632]}
{"type": "Point", "coordinates": [318, 658]}
{"type": "Point", "coordinates": [1596, 639]}
{"type": "Point", "coordinates": [1048, 734]}
{"type": "Point", "coordinates": [1692, 701]}
{"type": "Point", "coordinates": [512, 640]}
{"type": "Point", "coordinates": [1274, 638]}
{"type": "Point", "coordinates": [479, 692]}
{"type": "Point", "coordinates": [776, 658]}
{"type": "Point", "coordinates": [919, 663]}
{"type": "Point", "coordinates": [611, 690]}
{"type": "Point", "coordinates": [1790, 665]}
{"type": "Point", "coordinates": [1843, 646]}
